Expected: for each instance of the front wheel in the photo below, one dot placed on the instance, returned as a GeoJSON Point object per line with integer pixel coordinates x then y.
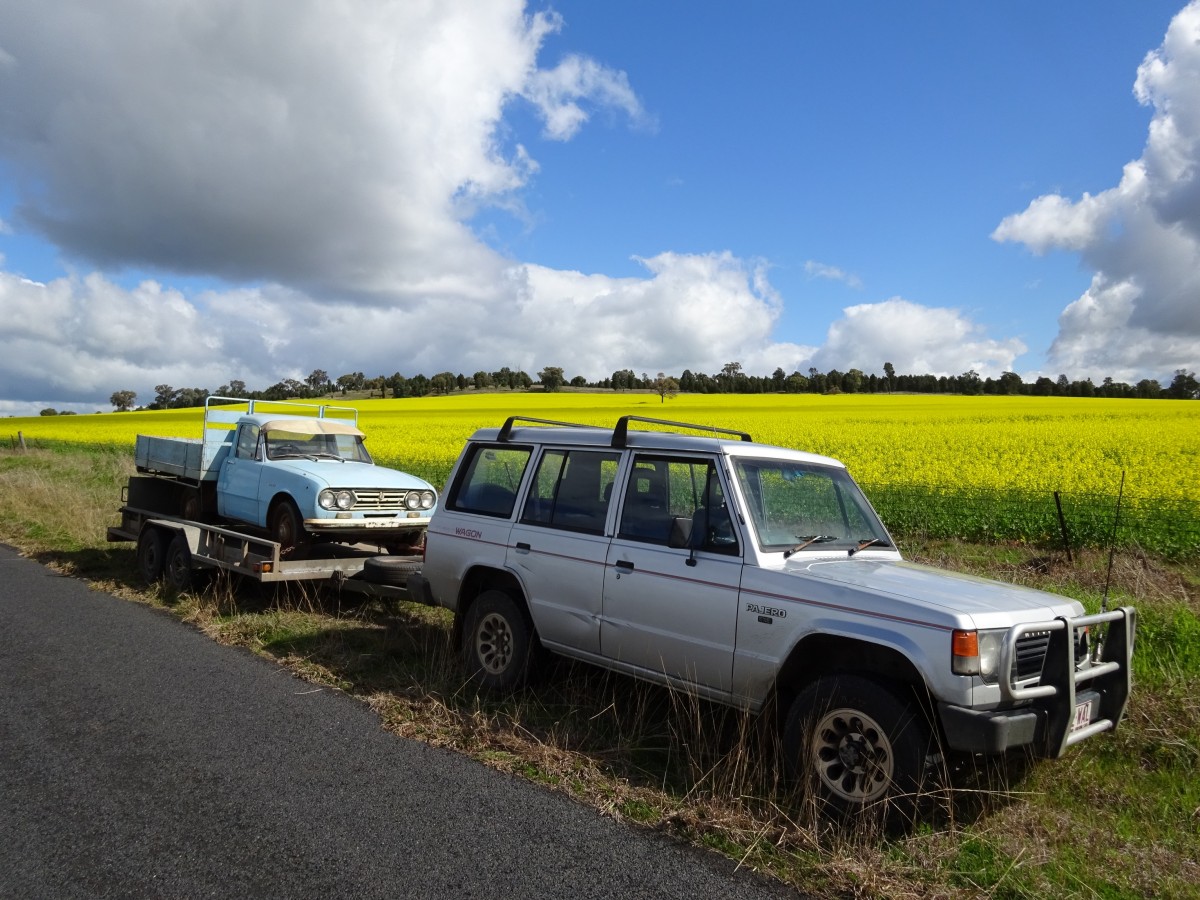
{"type": "Point", "coordinates": [497, 643]}
{"type": "Point", "coordinates": [863, 748]}
{"type": "Point", "coordinates": [287, 528]}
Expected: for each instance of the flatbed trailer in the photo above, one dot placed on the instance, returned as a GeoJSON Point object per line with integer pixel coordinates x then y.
{"type": "Point", "coordinates": [175, 549]}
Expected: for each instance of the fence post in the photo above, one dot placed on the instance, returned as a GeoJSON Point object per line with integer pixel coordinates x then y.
{"type": "Point", "coordinates": [1062, 524]}
{"type": "Point", "coordinates": [21, 441]}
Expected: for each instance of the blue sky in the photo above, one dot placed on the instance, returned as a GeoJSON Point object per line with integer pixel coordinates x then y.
{"type": "Point", "coordinates": [193, 194]}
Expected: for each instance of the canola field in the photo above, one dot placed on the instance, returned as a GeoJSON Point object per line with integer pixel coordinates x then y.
{"type": "Point", "coordinates": [953, 466]}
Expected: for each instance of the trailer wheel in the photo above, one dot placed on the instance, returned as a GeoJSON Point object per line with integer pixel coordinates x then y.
{"type": "Point", "coordinates": [177, 571]}
{"type": "Point", "coordinates": [151, 553]}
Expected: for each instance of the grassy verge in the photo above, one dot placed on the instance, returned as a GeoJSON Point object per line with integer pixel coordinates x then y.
{"type": "Point", "coordinates": [1118, 817]}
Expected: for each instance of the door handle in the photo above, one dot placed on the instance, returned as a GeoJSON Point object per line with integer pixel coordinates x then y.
{"type": "Point", "coordinates": [522, 546]}
{"type": "Point", "coordinates": [624, 565]}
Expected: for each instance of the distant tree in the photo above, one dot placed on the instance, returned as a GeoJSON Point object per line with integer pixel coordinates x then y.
{"type": "Point", "coordinates": [188, 397]}
{"type": "Point", "coordinates": [123, 400]}
{"type": "Point", "coordinates": [164, 396]}
{"type": "Point", "coordinates": [970, 383]}
{"type": "Point", "coordinates": [235, 388]}
{"type": "Point", "coordinates": [665, 386]}
{"type": "Point", "coordinates": [578, 381]}
{"type": "Point", "coordinates": [1184, 386]}
{"type": "Point", "coordinates": [353, 381]}
{"type": "Point", "coordinates": [1010, 383]}
{"type": "Point", "coordinates": [49, 411]}
{"type": "Point", "coordinates": [318, 381]}
{"type": "Point", "coordinates": [552, 378]}
{"type": "Point", "coordinates": [1148, 389]}
{"type": "Point", "coordinates": [889, 372]}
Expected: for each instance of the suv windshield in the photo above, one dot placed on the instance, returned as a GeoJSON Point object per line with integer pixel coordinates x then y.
{"type": "Point", "coordinates": [800, 506]}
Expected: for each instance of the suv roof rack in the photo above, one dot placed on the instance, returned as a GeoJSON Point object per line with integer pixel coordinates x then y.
{"type": "Point", "coordinates": [621, 432]}
{"type": "Point", "coordinates": [506, 429]}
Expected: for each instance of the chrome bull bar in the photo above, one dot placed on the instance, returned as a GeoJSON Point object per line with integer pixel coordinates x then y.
{"type": "Point", "coordinates": [1109, 676]}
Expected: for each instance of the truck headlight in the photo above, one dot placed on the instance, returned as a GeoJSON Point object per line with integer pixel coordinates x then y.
{"type": "Point", "coordinates": [977, 653]}
{"type": "Point", "coordinates": [428, 498]}
{"type": "Point", "coordinates": [328, 499]}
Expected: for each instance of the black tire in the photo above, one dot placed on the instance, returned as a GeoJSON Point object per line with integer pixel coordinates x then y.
{"type": "Point", "coordinates": [287, 528]}
{"type": "Point", "coordinates": [864, 749]}
{"type": "Point", "coordinates": [191, 507]}
{"type": "Point", "coordinates": [177, 571]}
{"type": "Point", "coordinates": [151, 553]}
{"type": "Point", "coordinates": [498, 643]}
{"type": "Point", "coordinates": [392, 570]}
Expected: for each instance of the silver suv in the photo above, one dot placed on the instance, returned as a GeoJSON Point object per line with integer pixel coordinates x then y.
{"type": "Point", "coordinates": [750, 574]}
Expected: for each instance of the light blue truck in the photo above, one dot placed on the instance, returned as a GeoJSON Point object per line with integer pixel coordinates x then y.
{"type": "Point", "coordinates": [279, 473]}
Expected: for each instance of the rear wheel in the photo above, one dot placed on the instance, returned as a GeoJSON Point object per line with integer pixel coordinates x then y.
{"type": "Point", "coordinates": [151, 553]}
{"type": "Point", "coordinates": [497, 642]}
{"type": "Point", "coordinates": [863, 747]}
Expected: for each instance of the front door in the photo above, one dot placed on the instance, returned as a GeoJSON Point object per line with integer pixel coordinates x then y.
{"type": "Point", "coordinates": [674, 569]}
{"type": "Point", "coordinates": [237, 485]}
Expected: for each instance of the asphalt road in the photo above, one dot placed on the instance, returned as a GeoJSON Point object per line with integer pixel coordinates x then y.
{"type": "Point", "coordinates": [140, 759]}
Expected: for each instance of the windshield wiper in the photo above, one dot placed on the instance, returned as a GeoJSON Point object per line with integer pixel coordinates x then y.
{"type": "Point", "coordinates": [863, 545]}
{"type": "Point", "coordinates": [810, 539]}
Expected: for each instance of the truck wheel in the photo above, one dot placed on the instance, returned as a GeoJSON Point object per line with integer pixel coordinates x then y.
{"type": "Point", "coordinates": [862, 748]}
{"type": "Point", "coordinates": [497, 643]}
{"type": "Point", "coordinates": [151, 553]}
{"type": "Point", "coordinates": [287, 528]}
{"type": "Point", "coordinates": [190, 505]}
{"type": "Point", "coordinates": [177, 571]}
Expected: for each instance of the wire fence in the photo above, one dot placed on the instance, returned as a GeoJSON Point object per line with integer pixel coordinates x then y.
{"type": "Point", "coordinates": [1050, 519]}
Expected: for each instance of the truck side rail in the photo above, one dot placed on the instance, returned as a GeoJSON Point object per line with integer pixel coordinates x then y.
{"type": "Point", "coordinates": [1061, 679]}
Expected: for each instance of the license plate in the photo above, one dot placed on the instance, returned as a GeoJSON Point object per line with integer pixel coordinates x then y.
{"type": "Point", "coordinates": [1083, 716]}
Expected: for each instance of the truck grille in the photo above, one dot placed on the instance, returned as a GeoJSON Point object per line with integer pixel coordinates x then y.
{"type": "Point", "coordinates": [1031, 655]}
{"type": "Point", "coordinates": [390, 500]}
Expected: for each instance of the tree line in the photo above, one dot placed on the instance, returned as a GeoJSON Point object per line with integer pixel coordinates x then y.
{"type": "Point", "coordinates": [730, 380]}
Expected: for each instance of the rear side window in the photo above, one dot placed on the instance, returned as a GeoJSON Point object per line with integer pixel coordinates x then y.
{"type": "Point", "coordinates": [571, 490]}
{"type": "Point", "coordinates": [488, 483]}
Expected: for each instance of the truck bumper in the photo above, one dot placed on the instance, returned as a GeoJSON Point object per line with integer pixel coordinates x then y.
{"type": "Point", "coordinates": [997, 730]}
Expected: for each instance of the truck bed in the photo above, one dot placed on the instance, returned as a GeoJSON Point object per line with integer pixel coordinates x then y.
{"type": "Point", "coordinates": [189, 459]}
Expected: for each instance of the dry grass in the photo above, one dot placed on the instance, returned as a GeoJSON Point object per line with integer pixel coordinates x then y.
{"type": "Point", "coordinates": [1118, 817]}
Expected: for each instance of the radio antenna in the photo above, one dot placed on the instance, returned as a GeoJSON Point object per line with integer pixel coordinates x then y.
{"type": "Point", "coordinates": [1112, 544]}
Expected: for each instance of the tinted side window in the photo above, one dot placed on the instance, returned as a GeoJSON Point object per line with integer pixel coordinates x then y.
{"type": "Point", "coordinates": [571, 490]}
{"type": "Point", "coordinates": [489, 481]}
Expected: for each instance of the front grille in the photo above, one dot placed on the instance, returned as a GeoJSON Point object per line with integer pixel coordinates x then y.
{"type": "Point", "coordinates": [379, 499]}
{"type": "Point", "coordinates": [1031, 655]}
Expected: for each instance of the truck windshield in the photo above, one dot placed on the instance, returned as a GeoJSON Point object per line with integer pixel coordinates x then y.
{"type": "Point", "coordinates": [294, 444]}
{"type": "Point", "coordinates": [799, 507]}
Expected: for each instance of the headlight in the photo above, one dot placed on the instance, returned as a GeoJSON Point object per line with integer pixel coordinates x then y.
{"type": "Point", "coordinates": [412, 500]}
{"type": "Point", "coordinates": [990, 643]}
{"type": "Point", "coordinates": [977, 653]}
{"type": "Point", "coordinates": [428, 498]}
{"type": "Point", "coordinates": [328, 499]}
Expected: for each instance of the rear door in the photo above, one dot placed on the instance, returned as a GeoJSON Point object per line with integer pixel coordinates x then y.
{"type": "Point", "coordinates": [559, 545]}
{"type": "Point", "coordinates": [674, 569]}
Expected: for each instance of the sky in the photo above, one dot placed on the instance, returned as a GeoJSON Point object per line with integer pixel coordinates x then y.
{"type": "Point", "coordinates": [199, 191]}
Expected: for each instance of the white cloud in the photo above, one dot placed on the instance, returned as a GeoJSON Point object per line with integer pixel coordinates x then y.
{"type": "Point", "coordinates": [814, 269]}
{"type": "Point", "coordinates": [1141, 238]}
{"type": "Point", "coordinates": [915, 339]}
